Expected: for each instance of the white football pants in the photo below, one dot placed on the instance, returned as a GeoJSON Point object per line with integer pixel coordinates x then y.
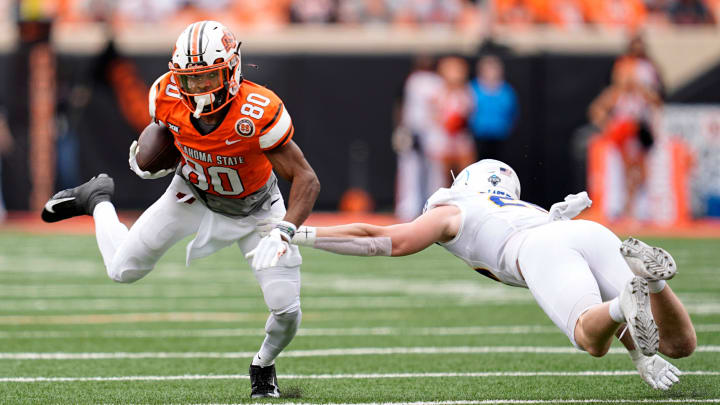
{"type": "Point", "coordinates": [131, 254]}
{"type": "Point", "coordinates": [571, 266]}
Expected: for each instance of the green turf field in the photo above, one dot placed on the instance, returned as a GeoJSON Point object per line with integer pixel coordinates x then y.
{"type": "Point", "coordinates": [421, 329]}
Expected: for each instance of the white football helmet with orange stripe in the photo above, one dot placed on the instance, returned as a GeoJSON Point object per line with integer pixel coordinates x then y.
{"type": "Point", "coordinates": [206, 65]}
{"type": "Point", "coordinates": [489, 176]}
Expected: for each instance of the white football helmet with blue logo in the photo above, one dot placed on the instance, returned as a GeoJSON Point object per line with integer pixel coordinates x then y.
{"type": "Point", "coordinates": [489, 176]}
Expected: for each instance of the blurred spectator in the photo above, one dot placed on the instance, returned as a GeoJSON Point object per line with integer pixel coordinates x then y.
{"type": "Point", "coordinates": [625, 112]}
{"type": "Point", "coordinates": [6, 144]}
{"type": "Point", "coordinates": [364, 12]}
{"type": "Point", "coordinates": [73, 97]}
{"type": "Point", "coordinates": [312, 11]}
{"type": "Point", "coordinates": [146, 10]}
{"type": "Point", "coordinates": [566, 14]}
{"type": "Point", "coordinates": [494, 108]}
{"type": "Point", "coordinates": [636, 62]}
{"type": "Point", "coordinates": [259, 14]}
{"type": "Point", "coordinates": [411, 138]}
{"type": "Point", "coordinates": [690, 12]}
{"type": "Point", "coordinates": [630, 14]}
{"type": "Point", "coordinates": [428, 11]}
{"type": "Point", "coordinates": [455, 148]}
{"type": "Point", "coordinates": [514, 12]}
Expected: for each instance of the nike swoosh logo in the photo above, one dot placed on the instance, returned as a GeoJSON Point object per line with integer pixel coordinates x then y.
{"type": "Point", "coordinates": [274, 201]}
{"type": "Point", "coordinates": [52, 203]}
{"type": "Point", "coordinates": [228, 142]}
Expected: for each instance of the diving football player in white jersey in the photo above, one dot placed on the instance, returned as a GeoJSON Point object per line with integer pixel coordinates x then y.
{"type": "Point", "coordinates": [584, 278]}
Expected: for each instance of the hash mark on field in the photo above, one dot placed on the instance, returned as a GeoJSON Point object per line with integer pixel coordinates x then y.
{"type": "Point", "coordinates": [363, 351]}
{"type": "Point", "coordinates": [620, 373]}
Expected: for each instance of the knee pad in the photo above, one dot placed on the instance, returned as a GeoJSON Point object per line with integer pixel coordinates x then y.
{"type": "Point", "coordinates": [282, 296]}
{"type": "Point", "coordinates": [123, 272]}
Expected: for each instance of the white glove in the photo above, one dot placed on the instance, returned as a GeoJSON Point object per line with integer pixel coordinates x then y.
{"type": "Point", "coordinates": [655, 371]}
{"type": "Point", "coordinates": [142, 173]}
{"type": "Point", "coordinates": [271, 247]}
{"type": "Point", "coordinates": [304, 236]}
{"type": "Point", "coordinates": [573, 205]}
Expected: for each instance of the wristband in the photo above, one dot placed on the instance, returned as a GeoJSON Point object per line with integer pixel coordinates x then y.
{"type": "Point", "coordinates": [305, 236]}
{"type": "Point", "coordinates": [287, 230]}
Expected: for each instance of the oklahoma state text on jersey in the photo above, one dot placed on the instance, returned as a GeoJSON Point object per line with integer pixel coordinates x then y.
{"type": "Point", "coordinates": [229, 161]}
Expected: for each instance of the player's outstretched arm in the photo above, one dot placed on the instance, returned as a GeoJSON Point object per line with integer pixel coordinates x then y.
{"type": "Point", "coordinates": [289, 163]}
{"type": "Point", "coordinates": [440, 224]}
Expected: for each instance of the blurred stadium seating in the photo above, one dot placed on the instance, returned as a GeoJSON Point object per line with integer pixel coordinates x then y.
{"type": "Point", "coordinates": [352, 56]}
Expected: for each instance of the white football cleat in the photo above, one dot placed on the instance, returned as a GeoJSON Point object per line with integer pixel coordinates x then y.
{"type": "Point", "coordinates": [649, 262]}
{"type": "Point", "coordinates": [634, 302]}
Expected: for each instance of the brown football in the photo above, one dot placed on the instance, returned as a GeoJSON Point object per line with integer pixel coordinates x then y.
{"type": "Point", "coordinates": [156, 149]}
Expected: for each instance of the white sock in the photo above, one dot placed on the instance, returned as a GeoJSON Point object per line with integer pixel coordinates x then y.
{"type": "Point", "coordinates": [280, 330]}
{"type": "Point", "coordinates": [109, 231]}
{"type": "Point", "coordinates": [656, 286]}
{"type": "Point", "coordinates": [259, 361]}
{"type": "Point", "coordinates": [615, 311]}
{"type": "Point", "coordinates": [635, 355]}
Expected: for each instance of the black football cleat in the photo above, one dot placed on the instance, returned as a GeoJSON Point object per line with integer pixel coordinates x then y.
{"type": "Point", "coordinates": [80, 200]}
{"type": "Point", "coordinates": [263, 382]}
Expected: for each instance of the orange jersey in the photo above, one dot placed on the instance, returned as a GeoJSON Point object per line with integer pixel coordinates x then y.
{"type": "Point", "coordinates": [229, 161]}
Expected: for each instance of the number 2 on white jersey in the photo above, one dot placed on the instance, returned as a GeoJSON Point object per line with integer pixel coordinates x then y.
{"type": "Point", "coordinates": [502, 201]}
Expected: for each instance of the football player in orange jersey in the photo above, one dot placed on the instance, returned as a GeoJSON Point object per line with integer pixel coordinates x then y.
{"type": "Point", "coordinates": [232, 134]}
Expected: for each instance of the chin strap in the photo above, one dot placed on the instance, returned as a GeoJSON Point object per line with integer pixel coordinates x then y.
{"type": "Point", "coordinates": [201, 102]}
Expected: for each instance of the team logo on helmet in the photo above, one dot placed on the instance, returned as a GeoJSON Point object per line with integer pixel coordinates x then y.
{"type": "Point", "coordinates": [228, 40]}
{"type": "Point", "coordinates": [245, 127]}
{"type": "Point", "coordinates": [494, 179]}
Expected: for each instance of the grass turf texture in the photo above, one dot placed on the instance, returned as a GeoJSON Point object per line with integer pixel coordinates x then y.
{"type": "Point", "coordinates": [56, 298]}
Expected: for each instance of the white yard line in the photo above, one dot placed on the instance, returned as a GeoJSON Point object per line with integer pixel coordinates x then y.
{"type": "Point", "coordinates": [346, 376]}
{"type": "Point", "coordinates": [363, 351]}
{"type": "Point", "coordinates": [524, 401]}
{"type": "Point", "coordinates": [377, 331]}
{"type": "Point", "coordinates": [130, 318]}
{"type": "Point", "coordinates": [373, 331]}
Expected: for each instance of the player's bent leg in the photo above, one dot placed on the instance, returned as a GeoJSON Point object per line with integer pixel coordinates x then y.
{"type": "Point", "coordinates": [654, 264]}
{"type": "Point", "coordinates": [110, 233]}
{"type": "Point", "coordinates": [162, 225]}
{"type": "Point", "coordinates": [677, 333]}
{"type": "Point", "coordinates": [562, 284]}
{"type": "Point", "coordinates": [281, 291]}
{"type": "Point", "coordinates": [594, 330]}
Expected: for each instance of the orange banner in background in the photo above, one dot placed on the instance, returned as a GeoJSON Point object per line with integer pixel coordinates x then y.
{"type": "Point", "coordinates": [665, 194]}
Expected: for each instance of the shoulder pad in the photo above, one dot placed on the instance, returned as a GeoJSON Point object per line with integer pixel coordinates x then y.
{"type": "Point", "coordinates": [163, 85]}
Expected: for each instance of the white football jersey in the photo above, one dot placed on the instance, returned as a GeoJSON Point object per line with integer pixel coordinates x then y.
{"type": "Point", "coordinates": [490, 233]}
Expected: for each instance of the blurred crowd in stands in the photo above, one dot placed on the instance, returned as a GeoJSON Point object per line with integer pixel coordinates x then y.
{"type": "Point", "coordinates": [462, 14]}
{"type": "Point", "coordinates": [448, 118]}
{"type": "Point", "coordinates": [626, 116]}
{"type": "Point", "coordinates": [445, 121]}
